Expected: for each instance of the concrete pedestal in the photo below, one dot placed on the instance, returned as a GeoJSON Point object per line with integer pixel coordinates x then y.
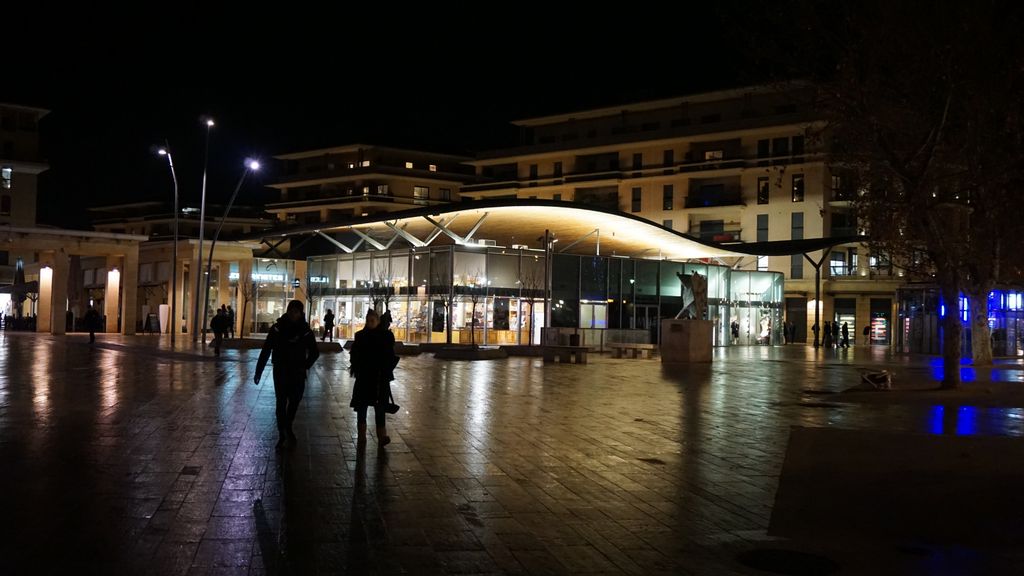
{"type": "Point", "coordinates": [684, 341]}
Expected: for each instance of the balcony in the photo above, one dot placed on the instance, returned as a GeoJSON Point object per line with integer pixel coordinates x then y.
{"type": "Point", "coordinates": [720, 164]}
{"type": "Point", "coordinates": [722, 236]}
{"type": "Point", "coordinates": [592, 176]}
{"type": "Point", "coordinates": [700, 201]}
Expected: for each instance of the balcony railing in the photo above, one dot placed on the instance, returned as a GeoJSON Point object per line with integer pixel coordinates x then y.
{"type": "Point", "coordinates": [722, 236]}
{"type": "Point", "coordinates": [713, 201]}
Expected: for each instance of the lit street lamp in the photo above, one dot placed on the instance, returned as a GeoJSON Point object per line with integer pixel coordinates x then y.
{"type": "Point", "coordinates": [174, 257]}
{"type": "Point", "coordinates": [202, 221]}
{"type": "Point", "coordinates": [250, 166]}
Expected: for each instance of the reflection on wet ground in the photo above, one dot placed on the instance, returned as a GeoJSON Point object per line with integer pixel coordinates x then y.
{"type": "Point", "coordinates": [130, 457]}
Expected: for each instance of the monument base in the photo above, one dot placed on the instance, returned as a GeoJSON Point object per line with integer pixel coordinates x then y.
{"type": "Point", "coordinates": [685, 341]}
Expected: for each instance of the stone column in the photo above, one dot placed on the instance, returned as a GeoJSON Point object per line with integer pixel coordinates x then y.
{"type": "Point", "coordinates": [44, 309]}
{"type": "Point", "coordinates": [130, 290]}
{"type": "Point", "coordinates": [59, 294]}
{"type": "Point", "coordinates": [111, 298]}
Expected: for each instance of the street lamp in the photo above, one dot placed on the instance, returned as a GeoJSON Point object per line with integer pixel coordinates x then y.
{"type": "Point", "coordinates": [202, 221]}
{"type": "Point", "coordinates": [250, 166]}
{"type": "Point", "coordinates": [174, 257]}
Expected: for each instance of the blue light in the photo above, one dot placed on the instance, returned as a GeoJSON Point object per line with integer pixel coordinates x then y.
{"type": "Point", "coordinates": [967, 421]}
{"type": "Point", "coordinates": [935, 419]}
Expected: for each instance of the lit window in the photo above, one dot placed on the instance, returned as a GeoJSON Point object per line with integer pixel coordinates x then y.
{"type": "Point", "coordinates": [5, 177]}
{"type": "Point", "coordinates": [366, 190]}
{"type": "Point", "coordinates": [714, 154]}
{"type": "Point", "coordinates": [351, 165]}
{"type": "Point", "coordinates": [382, 189]}
{"type": "Point", "coordinates": [433, 168]}
{"type": "Point", "coordinates": [408, 165]}
{"type": "Point", "coordinates": [364, 163]}
{"type": "Point", "coordinates": [421, 192]}
{"type": "Point", "coordinates": [762, 263]}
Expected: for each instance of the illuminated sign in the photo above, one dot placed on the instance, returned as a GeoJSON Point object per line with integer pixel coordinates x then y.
{"type": "Point", "coordinates": [260, 277]}
{"type": "Point", "coordinates": [319, 279]}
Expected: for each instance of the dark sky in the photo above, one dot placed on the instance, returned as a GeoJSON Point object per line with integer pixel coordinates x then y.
{"type": "Point", "coordinates": [298, 81]}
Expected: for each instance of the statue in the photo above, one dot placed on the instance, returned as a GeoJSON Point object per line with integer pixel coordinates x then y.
{"type": "Point", "coordinates": [695, 296]}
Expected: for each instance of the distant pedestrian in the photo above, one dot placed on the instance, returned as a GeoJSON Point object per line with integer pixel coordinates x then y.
{"type": "Point", "coordinates": [846, 335]}
{"type": "Point", "coordinates": [815, 329]}
{"type": "Point", "coordinates": [827, 336]}
{"type": "Point", "coordinates": [231, 322]}
{"type": "Point", "coordinates": [92, 323]}
{"type": "Point", "coordinates": [219, 326]}
{"type": "Point", "coordinates": [293, 345]}
{"type": "Point", "coordinates": [835, 334]}
{"type": "Point", "coordinates": [735, 329]}
{"type": "Point", "coordinates": [867, 334]}
{"type": "Point", "coordinates": [792, 331]}
{"type": "Point", "coordinates": [328, 326]}
{"type": "Point", "coordinates": [372, 360]}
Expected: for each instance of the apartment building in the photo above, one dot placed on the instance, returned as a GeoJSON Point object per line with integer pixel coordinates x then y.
{"type": "Point", "coordinates": [742, 165]}
{"type": "Point", "coordinates": [361, 180]}
{"type": "Point", "coordinates": [21, 163]}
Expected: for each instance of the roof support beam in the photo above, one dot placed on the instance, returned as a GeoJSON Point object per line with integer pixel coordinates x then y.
{"type": "Point", "coordinates": [369, 240]}
{"type": "Point", "coordinates": [476, 226]}
{"type": "Point", "coordinates": [339, 244]}
{"type": "Point", "coordinates": [584, 237]}
{"type": "Point", "coordinates": [416, 242]}
{"type": "Point", "coordinates": [458, 239]}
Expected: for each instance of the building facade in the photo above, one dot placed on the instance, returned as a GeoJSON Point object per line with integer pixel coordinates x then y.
{"type": "Point", "coordinates": [21, 163]}
{"type": "Point", "coordinates": [743, 165]}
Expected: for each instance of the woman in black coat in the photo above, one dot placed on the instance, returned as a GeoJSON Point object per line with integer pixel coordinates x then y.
{"type": "Point", "coordinates": [372, 357]}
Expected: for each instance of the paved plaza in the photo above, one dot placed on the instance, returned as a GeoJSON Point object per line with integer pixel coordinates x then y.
{"type": "Point", "coordinates": [128, 457]}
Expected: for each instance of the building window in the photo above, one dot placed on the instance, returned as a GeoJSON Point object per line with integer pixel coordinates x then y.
{"type": "Point", "coordinates": [5, 205]}
{"type": "Point", "coordinates": [798, 147]}
{"type": "Point", "coordinates": [6, 174]}
{"type": "Point", "coordinates": [763, 150]}
{"type": "Point", "coordinates": [797, 221]}
{"type": "Point", "coordinates": [636, 199]}
{"type": "Point", "coordinates": [667, 192]}
{"type": "Point", "coordinates": [408, 165]}
{"type": "Point", "coordinates": [762, 263]}
{"type": "Point", "coordinates": [533, 171]}
{"type": "Point", "coordinates": [796, 267]}
{"type": "Point", "coordinates": [558, 169]}
{"type": "Point", "coordinates": [763, 189]}
{"type": "Point", "coordinates": [798, 187]}
{"type": "Point", "coordinates": [668, 158]}
{"type": "Point", "coordinates": [364, 163]}
{"type": "Point", "coordinates": [638, 161]}
{"type": "Point", "coordinates": [421, 192]}
{"type": "Point", "coordinates": [445, 194]}
{"type": "Point", "coordinates": [714, 154]}
{"type": "Point", "coordinates": [382, 189]}
{"type": "Point", "coordinates": [557, 197]}
{"type": "Point", "coordinates": [432, 167]}
{"type": "Point", "coordinates": [667, 224]}
{"type": "Point", "coordinates": [780, 147]}
{"type": "Point", "coordinates": [837, 264]}
{"type": "Point", "coordinates": [351, 165]}
{"type": "Point", "coordinates": [762, 227]}
{"type": "Point", "coordinates": [366, 190]}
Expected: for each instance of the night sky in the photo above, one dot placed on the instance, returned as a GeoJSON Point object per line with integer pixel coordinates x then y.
{"type": "Point", "coordinates": [297, 82]}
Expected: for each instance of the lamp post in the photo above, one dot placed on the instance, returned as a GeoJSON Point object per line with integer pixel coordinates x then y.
{"type": "Point", "coordinates": [166, 151]}
{"type": "Point", "coordinates": [202, 221]}
{"type": "Point", "coordinates": [250, 166]}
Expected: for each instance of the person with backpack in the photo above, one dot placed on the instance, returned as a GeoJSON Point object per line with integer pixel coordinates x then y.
{"type": "Point", "coordinates": [292, 344]}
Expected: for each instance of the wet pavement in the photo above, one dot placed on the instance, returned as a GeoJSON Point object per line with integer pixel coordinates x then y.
{"type": "Point", "coordinates": [128, 457]}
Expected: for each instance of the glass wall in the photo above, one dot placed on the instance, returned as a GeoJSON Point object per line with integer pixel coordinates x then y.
{"type": "Point", "coordinates": [496, 296]}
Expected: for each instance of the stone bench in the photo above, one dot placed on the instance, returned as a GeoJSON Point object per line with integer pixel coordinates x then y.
{"type": "Point", "coordinates": [619, 350]}
{"type": "Point", "coordinates": [566, 354]}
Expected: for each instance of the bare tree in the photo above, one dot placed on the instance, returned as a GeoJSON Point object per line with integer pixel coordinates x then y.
{"type": "Point", "coordinates": [381, 290]}
{"type": "Point", "coordinates": [447, 300]}
{"type": "Point", "coordinates": [531, 282]}
{"type": "Point", "coordinates": [476, 289]}
{"type": "Point", "coordinates": [929, 129]}
{"type": "Point", "coordinates": [246, 290]}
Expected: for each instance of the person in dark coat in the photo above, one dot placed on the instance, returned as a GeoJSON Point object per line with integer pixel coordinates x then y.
{"type": "Point", "coordinates": [293, 345]}
{"type": "Point", "coordinates": [835, 334]}
{"type": "Point", "coordinates": [846, 335]}
{"type": "Point", "coordinates": [92, 323]}
{"type": "Point", "coordinates": [867, 334]}
{"type": "Point", "coordinates": [827, 335]}
{"type": "Point", "coordinates": [328, 326]}
{"type": "Point", "coordinates": [372, 359]}
{"type": "Point", "coordinates": [219, 326]}
{"type": "Point", "coordinates": [231, 322]}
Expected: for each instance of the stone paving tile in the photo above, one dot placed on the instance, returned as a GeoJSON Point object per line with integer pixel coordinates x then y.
{"type": "Point", "coordinates": [129, 457]}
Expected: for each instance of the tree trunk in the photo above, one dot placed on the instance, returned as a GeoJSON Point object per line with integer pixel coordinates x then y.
{"type": "Point", "coordinates": [951, 330]}
{"type": "Point", "coordinates": [981, 336]}
{"type": "Point", "coordinates": [472, 325]}
{"type": "Point", "coordinates": [448, 322]}
{"type": "Point", "coordinates": [241, 329]}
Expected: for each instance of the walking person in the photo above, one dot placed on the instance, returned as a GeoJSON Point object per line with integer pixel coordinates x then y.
{"type": "Point", "coordinates": [372, 360]}
{"type": "Point", "coordinates": [328, 326]}
{"type": "Point", "coordinates": [293, 345]}
{"type": "Point", "coordinates": [92, 323]}
{"type": "Point", "coordinates": [827, 336]}
{"type": "Point", "coordinates": [846, 335]}
{"type": "Point", "coordinates": [219, 327]}
{"type": "Point", "coordinates": [835, 334]}
{"type": "Point", "coordinates": [231, 322]}
{"type": "Point", "coordinates": [867, 334]}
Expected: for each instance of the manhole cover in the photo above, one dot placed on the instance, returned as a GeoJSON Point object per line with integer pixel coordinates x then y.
{"type": "Point", "coordinates": [791, 562]}
{"type": "Point", "coordinates": [191, 470]}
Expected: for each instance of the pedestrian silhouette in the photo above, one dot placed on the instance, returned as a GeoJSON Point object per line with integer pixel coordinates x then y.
{"type": "Point", "coordinates": [92, 322]}
{"type": "Point", "coordinates": [231, 322]}
{"type": "Point", "coordinates": [219, 326]}
{"type": "Point", "coordinates": [867, 334]}
{"type": "Point", "coordinates": [328, 326]}
{"type": "Point", "coordinates": [293, 345]}
{"type": "Point", "coordinates": [372, 362]}
{"type": "Point", "coordinates": [846, 335]}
